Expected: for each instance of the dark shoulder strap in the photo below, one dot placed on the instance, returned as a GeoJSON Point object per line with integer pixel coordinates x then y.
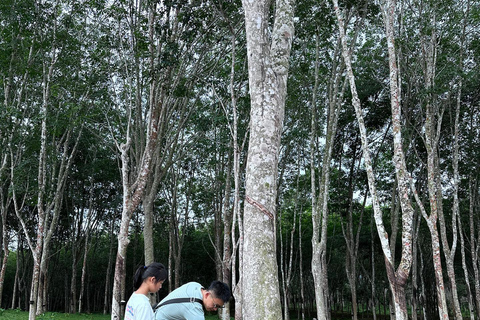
{"type": "Point", "coordinates": [178, 300]}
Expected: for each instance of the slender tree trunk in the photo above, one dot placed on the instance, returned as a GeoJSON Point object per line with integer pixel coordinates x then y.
{"type": "Point", "coordinates": [268, 71]}
{"type": "Point", "coordinates": [237, 220]}
{"type": "Point", "coordinates": [73, 283]}
{"type": "Point", "coordinates": [152, 184]}
{"type": "Point", "coordinates": [131, 200]}
{"type": "Point", "coordinates": [84, 271]}
{"type": "Point", "coordinates": [415, 290]}
{"type": "Point", "coordinates": [134, 171]}
{"type": "Point", "coordinates": [320, 201]}
{"type": "Point", "coordinates": [233, 247]}
{"type": "Point", "coordinates": [471, 307]}
{"type": "Point", "coordinates": [302, 286]}
{"type": "Point", "coordinates": [148, 227]}
{"type": "Point", "coordinates": [372, 259]}
{"type": "Point", "coordinates": [397, 279]}
{"type": "Point", "coordinates": [456, 179]}
{"type": "Point", "coordinates": [17, 272]}
{"type": "Point", "coordinates": [107, 295]}
{"type": "Point", "coordinates": [224, 313]}
{"type": "Point", "coordinates": [5, 203]}
{"type": "Point", "coordinates": [286, 268]}
{"type": "Point", "coordinates": [474, 243]}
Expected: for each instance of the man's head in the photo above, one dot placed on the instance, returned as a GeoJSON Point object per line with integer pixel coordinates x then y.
{"type": "Point", "coordinates": [217, 294]}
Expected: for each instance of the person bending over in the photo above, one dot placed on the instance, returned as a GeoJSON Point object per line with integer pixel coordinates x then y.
{"type": "Point", "coordinates": [147, 279]}
{"type": "Point", "coordinates": [189, 301]}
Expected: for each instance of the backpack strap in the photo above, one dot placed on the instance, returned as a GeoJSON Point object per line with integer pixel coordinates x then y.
{"type": "Point", "coordinates": [178, 300]}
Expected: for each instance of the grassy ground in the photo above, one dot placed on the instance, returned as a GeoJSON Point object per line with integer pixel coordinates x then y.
{"type": "Point", "coordinates": [23, 315]}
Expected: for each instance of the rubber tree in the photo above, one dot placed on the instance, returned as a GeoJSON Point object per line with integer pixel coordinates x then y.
{"type": "Point", "coordinates": [268, 64]}
{"type": "Point", "coordinates": [397, 278]}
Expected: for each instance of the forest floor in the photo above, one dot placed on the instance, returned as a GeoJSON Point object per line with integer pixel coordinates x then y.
{"type": "Point", "coordinates": [23, 315]}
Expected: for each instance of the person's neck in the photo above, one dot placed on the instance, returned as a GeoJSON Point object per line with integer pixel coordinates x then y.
{"type": "Point", "coordinates": [143, 291]}
{"type": "Point", "coordinates": [204, 292]}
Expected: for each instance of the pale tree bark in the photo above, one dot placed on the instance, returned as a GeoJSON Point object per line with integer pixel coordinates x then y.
{"type": "Point", "coordinates": [154, 180]}
{"type": "Point", "coordinates": [107, 293]}
{"type": "Point", "coordinates": [17, 271]}
{"type": "Point", "coordinates": [218, 205]}
{"type": "Point", "coordinates": [415, 268]}
{"type": "Point", "coordinates": [320, 201]}
{"type": "Point", "coordinates": [132, 195]}
{"type": "Point", "coordinates": [179, 221]}
{"type": "Point", "coordinates": [232, 247]}
{"type": "Point", "coordinates": [286, 269]}
{"type": "Point", "coordinates": [91, 223]}
{"type": "Point", "coordinates": [302, 285]}
{"type": "Point", "coordinates": [15, 156]}
{"type": "Point", "coordinates": [433, 120]}
{"type": "Point", "coordinates": [161, 88]}
{"type": "Point", "coordinates": [373, 277]}
{"type": "Point", "coordinates": [84, 271]}
{"type": "Point", "coordinates": [83, 217]}
{"type": "Point", "coordinates": [450, 254]}
{"type": "Point", "coordinates": [38, 247]}
{"type": "Point", "coordinates": [135, 170]}
{"type": "Point", "coordinates": [268, 70]}
{"type": "Point", "coordinates": [46, 224]}
{"type": "Point", "coordinates": [55, 208]}
{"type": "Point", "coordinates": [352, 239]}
{"type": "Point", "coordinates": [14, 94]}
{"type": "Point", "coordinates": [237, 216]}
{"type": "Point", "coordinates": [227, 214]}
{"type": "Point", "coordinates": [77, 222]}
{"type": "Point", "coordinates": [471, 306]}
{"type": "Point", "coordinates": [397, 278]}
{"type": "Point", "coordinates": [456, 175]}
{"type": "Point", "coordinates": [5, 201]}
{"type": "Point", "coordinates": [49, 202]}
{"type": "Point", "coordinates": [474, 241]}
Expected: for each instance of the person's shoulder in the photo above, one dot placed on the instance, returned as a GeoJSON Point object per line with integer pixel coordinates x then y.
{"type": "Point", "coordinates": [191, 284]}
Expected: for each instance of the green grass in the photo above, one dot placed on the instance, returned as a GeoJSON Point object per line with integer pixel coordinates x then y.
{"type": "Point", "coordinates": [23, 315]}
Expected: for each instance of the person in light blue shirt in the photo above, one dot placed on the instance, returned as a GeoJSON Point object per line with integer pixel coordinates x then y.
{"type": "Point", "coordinates": [147, 279]}
{"type": "Point", "coordinates": [189, 301]}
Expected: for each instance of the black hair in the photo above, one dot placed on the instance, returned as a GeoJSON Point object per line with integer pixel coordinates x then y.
{"type": "Point", "coordinates": [155, 269]}
{"type": "Point", "coordinates": [220, 290]}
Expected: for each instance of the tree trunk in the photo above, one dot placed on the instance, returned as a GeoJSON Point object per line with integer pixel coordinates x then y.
{"type": "Point", "coordinates": [226, 276]}
{"type": "Point", "coordinates": [302, 286]}
{"type": "Point", "coordinates": [232, 246]}
{"type": "Point", "coordinates": [107, 295]}
{"type": "Point", "coordinates": [84, 271]}
{"type": "Point", "coordinates": [372, 261]}
{"type": "Point", "coordinates": [474, 243]}
{"type": "Point", "coordinates": [133, 192]}
{"type": "Point", "coordinates": [320, 201]}
{"type": "Point", "coordinates": [397, 279]}
{"type": "Point", "coordinates": [135, 171]}
{"type": "Point", "coordinates": [73, 284]}
{"type": "Point", "coordinates": [5, 203]}
{"type": "Point", "coordinates": [268, 70]}
{"type": "Point", "coordinates": [431, 143]}
{"type": "Point", "coordinates": [17, 272]}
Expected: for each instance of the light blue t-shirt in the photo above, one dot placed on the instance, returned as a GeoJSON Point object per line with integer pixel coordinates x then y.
{"type": "Point", "coordinates": [138, 308]}
{"type": "Point", "coordinates": [183, 310]}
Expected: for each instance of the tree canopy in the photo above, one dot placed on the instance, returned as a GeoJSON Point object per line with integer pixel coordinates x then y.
{"type": "Point", "coordinates": [132, 131]}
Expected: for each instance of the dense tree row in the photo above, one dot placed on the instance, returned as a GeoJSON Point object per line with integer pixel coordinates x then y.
{"type": "Point", "coordinates": [126, 126]}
